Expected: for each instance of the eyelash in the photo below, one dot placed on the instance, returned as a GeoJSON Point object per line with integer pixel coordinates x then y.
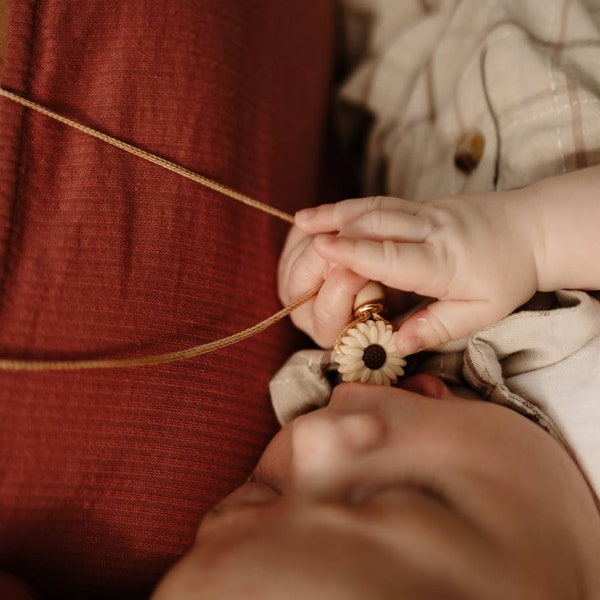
{"type": "Point", "coordinates": [418, 483]}
{"type": "Point", "coordinates": [253, 478]}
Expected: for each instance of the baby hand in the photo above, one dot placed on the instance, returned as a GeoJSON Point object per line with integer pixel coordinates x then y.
{"type": "Point", "coordinates": [474, 254]}
{"type": "Point", "coordinates": [301, 269]}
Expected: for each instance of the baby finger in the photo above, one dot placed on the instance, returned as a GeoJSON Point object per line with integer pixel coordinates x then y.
{"type": "Point", "coordinates": [393, 225]}
{"type": "Point", "coordinates": [409, 267]}
{"type": "Point", "coordinates": [333, 217]}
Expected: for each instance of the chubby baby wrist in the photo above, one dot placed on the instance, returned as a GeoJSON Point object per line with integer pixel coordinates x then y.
{"type": "Point", "coordinates": [525, 223]}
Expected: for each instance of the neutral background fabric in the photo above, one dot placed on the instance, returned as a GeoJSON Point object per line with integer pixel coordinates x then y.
{"type": "Point", "coordinates": [524, 73]}
{"type": "Point", "coordinates": [544, 364]}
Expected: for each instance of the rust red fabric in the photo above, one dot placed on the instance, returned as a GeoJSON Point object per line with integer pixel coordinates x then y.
{"type": "Point", "coordinates": [105, 474]}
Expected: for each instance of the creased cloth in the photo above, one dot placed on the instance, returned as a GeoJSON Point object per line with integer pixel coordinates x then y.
{"type": "Point", "coordinates": [300, 385]}
{"type": "Point", "coordinates": [522, 72]}
{"type": "Point", "coordinates": [543, 364]}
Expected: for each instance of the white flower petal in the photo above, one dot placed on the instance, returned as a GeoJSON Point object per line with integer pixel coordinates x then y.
{"type": "Point", "coordinates": [366, 375]}
{"type": "Point", "coordinates": [350, 341]}
{"type": "Point", "coordinates": [345, 369]}
{"type": "Point", "coordinates": [373, 334]}
{"type": "Point", "coordinates": [355, 365]}
{"type": "Point", "coordinates": [396, 360]}
{"type": "Point", "coordinates": [390, 373]}
{"type": "Point", "coordinates": [390, 349]}
{"type": "Point", "coordinates": [353, 376]}
{"type": "Point", "coordinates": [344, 359]}
{"type": "Point", "coordinates": [386, 338]}
{"type": "Point", "coordinates": [352, 351]}
{"type": "Point", "coordinates": [398, 369]}
{"type": "Point", "coordinates": [366, 330]}
{"type": "Point", "coordinates": [358, 337]}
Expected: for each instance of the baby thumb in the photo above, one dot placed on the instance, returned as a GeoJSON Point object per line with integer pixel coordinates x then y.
{"type": "Point", "coordinates": [440, 322]}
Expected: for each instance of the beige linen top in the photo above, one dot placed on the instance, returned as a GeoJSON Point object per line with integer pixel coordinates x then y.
{"type": "Point", "coordinates": [519, 80]}
{"type": "Point", "coordinates": [522, 73]}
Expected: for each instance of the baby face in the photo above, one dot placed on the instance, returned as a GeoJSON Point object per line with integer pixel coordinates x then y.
{"type": "Point", "coordinates": [419, 492]}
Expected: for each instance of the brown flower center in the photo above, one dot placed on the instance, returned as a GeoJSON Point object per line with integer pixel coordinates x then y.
{"type": "Point", "coordinates": [374, 357]}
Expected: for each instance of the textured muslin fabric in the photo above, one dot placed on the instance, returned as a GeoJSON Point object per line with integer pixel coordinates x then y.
{"type": "Point", "coordinates": [300, 385]}
{"type": "Point", "coordinates": [544, 364]}
{"type": "Point", "coordinates": [521, 73]}
{"type": "Point", "coordinates": [104, 475]}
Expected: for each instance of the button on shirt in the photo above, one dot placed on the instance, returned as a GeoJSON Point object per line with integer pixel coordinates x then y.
{"type": "Point", "coordinates": [473, 95]}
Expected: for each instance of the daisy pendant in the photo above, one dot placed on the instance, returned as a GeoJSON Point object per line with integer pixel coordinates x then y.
{"type": "Point", "coordinates": [367, 353]}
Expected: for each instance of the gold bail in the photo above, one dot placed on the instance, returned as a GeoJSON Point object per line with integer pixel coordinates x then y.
{"type": "Point", "coordinates": [369, 302]}
{"type": "Point", "coordinates": [368, 311]}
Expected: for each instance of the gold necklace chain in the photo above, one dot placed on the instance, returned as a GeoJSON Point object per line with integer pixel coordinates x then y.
{"type": "Point", "coordinates": [155, 359]}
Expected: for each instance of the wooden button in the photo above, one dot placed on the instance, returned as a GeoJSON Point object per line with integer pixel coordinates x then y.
{"type": "Point", "coordinates": [469, 151]}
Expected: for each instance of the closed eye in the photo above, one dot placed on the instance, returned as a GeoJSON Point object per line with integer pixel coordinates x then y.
{"type": "Point", "coordinates": [259, 476]}
{"type": "Point", "coordinates": [251, 494]}
{"type": "Point", "coordinates": [431, 490]}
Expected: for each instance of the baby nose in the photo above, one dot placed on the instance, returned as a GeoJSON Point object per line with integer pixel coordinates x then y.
{"type": "Point", "coordinates": [328, 451]}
